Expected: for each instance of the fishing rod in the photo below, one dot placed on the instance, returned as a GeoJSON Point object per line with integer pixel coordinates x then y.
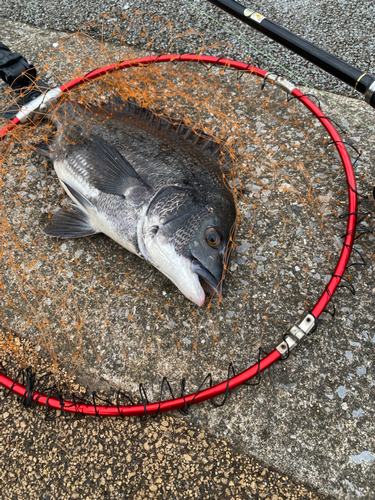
{"type": "Point", "coordinates": [361, 81]}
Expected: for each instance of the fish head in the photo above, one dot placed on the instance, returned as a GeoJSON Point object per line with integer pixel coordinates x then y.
{"type": "Point", "coordinates": [186, 237]}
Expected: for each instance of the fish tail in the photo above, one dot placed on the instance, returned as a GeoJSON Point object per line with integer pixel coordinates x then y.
{"type": "Point", "coordinates": [63, 114]}
{"type": "Point", "coordinates": [62, 118]}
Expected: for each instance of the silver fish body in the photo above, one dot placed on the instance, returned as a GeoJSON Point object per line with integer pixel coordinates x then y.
{"type": "Point", "coordinates": [154, 190]}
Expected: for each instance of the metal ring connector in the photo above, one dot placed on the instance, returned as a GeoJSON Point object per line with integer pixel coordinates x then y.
{"type": "Point", "coordinates": [369, 92]}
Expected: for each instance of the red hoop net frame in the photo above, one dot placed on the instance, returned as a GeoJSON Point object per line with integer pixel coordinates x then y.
{"type": "Point", "coordinates": [243, 377]}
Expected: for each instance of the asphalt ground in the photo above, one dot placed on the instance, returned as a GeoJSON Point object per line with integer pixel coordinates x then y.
{"type": "Point", "coordinates": [342, 28]}
{"type": "Point", "coordinates": [48, 456]}
{"type": "Point", "coordinates": [321, 433]}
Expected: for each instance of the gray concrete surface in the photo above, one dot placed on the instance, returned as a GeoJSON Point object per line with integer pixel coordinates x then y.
{"type": "Point", "coordinates": [313, 416]}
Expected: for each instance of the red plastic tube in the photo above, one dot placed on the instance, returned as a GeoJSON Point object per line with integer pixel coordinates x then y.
{"type": "Point", "coordinates": [246, 375]}
{"type": "Point", "coordinates": [12, 125]}
{"type": "Point", "coordinates": [149, 409]}
{"type": "Point", "coordinates": [353, 204]}
{"type": "Point", "coordinates": [144, 61]}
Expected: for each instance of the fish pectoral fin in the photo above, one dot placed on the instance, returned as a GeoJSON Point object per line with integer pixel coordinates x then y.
{"type": "Point", "coordinates": [109, 171]}
{"type": "Point", "coordinates": [68, 224]}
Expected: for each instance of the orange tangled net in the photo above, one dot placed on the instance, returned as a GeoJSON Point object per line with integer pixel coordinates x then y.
{"type": "Point", "coordinates": [90, 311]}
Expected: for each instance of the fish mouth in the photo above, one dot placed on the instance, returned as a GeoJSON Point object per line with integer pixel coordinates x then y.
{"type": "Point", "coordinates": [211, 285]}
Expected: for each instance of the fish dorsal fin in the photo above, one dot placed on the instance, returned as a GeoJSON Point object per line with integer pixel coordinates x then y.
{"type": "Point", "coordinates": [108, 170]}
{"type": "Point", "coordinates": [69, 224]}
{"type": "Point", "coordinates": [209, 145]}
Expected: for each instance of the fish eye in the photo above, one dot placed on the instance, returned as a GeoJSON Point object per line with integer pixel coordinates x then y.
{"type": "Point", "coordinates": [213, 238]}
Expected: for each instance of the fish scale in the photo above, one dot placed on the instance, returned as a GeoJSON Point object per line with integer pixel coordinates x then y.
{"type": "Point", "coordinates": [154, 188]}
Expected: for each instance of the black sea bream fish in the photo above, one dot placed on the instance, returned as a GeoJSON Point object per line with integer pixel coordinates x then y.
{"type": "Point", "coordinates": [148, 185]}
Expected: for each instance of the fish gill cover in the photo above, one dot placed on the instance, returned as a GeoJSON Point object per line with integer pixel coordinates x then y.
{"type": "Point", "coordinates": [93, 313]}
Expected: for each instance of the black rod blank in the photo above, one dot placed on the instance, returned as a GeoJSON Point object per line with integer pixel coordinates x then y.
{"type": "Point", "coordinates": [361, 81]}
